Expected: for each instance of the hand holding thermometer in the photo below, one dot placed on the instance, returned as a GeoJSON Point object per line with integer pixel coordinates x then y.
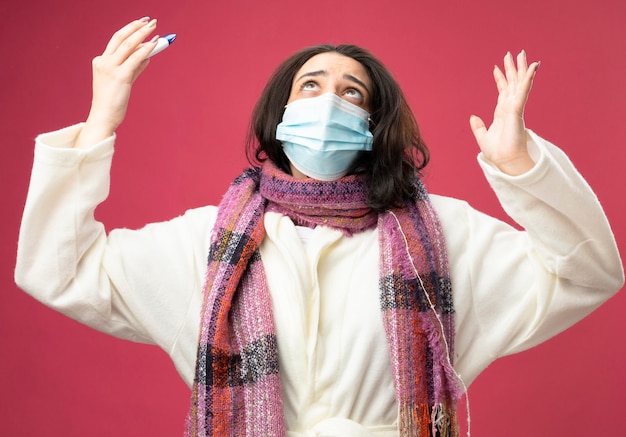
{"type": "Point", "coordinates": [162, 43]}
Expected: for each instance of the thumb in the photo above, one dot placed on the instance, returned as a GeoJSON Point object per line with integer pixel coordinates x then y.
{"type": "Point", "coordinates": [478, 127]}
{"type": "Point", "coordinates": [140, 69]}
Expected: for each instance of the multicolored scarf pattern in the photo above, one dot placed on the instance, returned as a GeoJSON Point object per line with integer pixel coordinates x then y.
{"type": "Point", "coordinates": [237, 388]}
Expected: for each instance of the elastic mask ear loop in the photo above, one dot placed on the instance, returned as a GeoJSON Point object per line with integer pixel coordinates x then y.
{"type": "Point", "coordinates": [443, 335]}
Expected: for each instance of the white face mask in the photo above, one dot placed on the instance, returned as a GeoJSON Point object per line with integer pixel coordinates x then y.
{"type": "Point", "coordinates": [323, 135]}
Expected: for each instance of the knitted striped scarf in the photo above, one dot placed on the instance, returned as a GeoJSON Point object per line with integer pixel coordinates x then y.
{"type": "Point", "coordinates": [236, 389]}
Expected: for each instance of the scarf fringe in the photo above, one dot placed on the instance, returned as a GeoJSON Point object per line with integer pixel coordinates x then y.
{"type": "Point", "coordinates": [423, 420]}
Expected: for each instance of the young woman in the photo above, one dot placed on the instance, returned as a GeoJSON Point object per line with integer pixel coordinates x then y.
{"type": "Point", "coordinates": [339, 297]}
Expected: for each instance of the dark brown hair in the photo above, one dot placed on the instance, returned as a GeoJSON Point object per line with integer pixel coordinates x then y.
{"type": "Point", "coordinates": [398, 152]}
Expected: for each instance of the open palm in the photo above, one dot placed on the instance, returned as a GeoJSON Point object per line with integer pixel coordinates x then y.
{"type": "Point", "coordinates": [504, 142]}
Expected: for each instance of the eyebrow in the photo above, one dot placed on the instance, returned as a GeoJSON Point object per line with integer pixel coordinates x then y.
{"type": "Point", "coordinates": [349, 77]}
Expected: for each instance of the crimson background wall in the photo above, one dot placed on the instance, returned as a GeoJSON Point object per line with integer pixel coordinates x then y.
{"type": "Point", "coordinates": [182, 141]}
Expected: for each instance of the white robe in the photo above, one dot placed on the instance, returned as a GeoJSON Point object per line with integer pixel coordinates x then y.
{"type": "Point", "coordinates": [512, 289]}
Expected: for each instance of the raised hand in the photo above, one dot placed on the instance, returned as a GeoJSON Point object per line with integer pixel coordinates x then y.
{"type": "Point", "coordinates": [114, 73]}
{"type": "Point", "coordinates": [504, 142]}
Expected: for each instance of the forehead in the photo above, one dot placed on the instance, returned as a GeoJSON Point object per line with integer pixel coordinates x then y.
{"type": "Point", "coordinates": [334, 63]}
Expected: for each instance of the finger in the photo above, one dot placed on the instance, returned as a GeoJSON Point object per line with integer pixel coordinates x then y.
{"type": "Point", "coordinates": [500, 79]}
{"type": "Point", "coordinates": [532, 69]}
{"type": "Point", "coordinates": [478, 127]}
{"type": "Point", "coordinates": [134, 64]}
{"type": "Point", "coordinates": [509, 69]}
{"type": "Point", "coordinates": [142, 66]}
{"type": "Point", "coordinates": [138, 60]}
{"type": "Point", "coordinates": [522, 65]}
{"type": "Point", "coordinates": [119, 36]}
{"type": "Point", "coordinates": [528, 79]}
{"type": "Point", "coordinates": [133, 42]}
